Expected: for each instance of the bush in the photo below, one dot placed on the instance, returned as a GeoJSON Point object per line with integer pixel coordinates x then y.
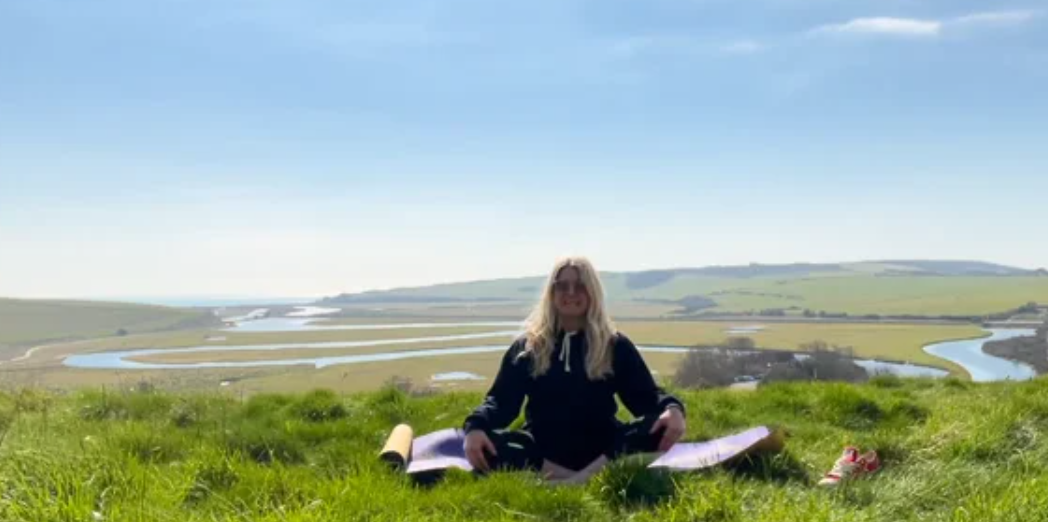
{"type": "Point", "coordinates": [393, 402]}
{"type": "Point", "coordinates": [704, 369]}
{"type": "Point", "coordinates": [319, 406]}
{"type": "Point", "coordinates": [134, 404]}
{"type": "Point", "coordinates": [188, 412]}
{"type": "Point", "coordinates": [265, 445]}
{"type": "Point", "coordinates": [820, 364]}
{"type": "Point", "coordinates": [265, 405]}
{"type": "Point", "coordinates": [214, 474]}
{"type": "Point", "coordinates": [701, 368]}
{"type": "Point", "coordinates": [741, 344]}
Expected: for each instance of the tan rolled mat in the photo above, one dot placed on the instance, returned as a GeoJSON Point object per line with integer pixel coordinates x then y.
{"type": "Point", "coordinates": [397, 450]}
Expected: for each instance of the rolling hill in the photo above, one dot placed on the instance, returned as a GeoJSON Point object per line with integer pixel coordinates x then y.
{"type": "Point", "coordinates": [26, 322]}
{"type": "Point", "coordinates": [896, 287]}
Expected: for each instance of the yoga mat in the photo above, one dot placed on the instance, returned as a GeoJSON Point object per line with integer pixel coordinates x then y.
{"type": "Point", "coordinates": [397, 450]}
{"type": "Point", "coordinates": [444, 449]}
{"type": "Point", "coordinates": [689, 456]}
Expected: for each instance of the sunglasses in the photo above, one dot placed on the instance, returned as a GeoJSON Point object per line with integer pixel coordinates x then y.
{"type": "Point", "coordinates": [567, 287]}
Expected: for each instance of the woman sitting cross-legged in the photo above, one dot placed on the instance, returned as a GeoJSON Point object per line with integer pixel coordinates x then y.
{"type": "Point", "coordinates": [570, 365]}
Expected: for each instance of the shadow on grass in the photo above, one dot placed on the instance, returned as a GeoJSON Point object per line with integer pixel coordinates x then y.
{"type": "Point", "coordinates": [779, 468]}
{"type": "Point", "coordinates": [630, 484]}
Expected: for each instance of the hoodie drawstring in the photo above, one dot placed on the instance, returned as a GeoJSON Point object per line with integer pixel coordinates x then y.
{"type": "Point", "coordinates": [565, 351]}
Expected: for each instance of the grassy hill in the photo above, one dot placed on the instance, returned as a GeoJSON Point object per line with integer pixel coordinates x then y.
{"type": "Point", "coordinates": [883, 287]}
{"type": "Point", "coordinates": [952, 451]}
{"type": "Point", "coordinates": [31, 321]}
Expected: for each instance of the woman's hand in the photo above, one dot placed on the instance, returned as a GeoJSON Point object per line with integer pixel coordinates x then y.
{"type": "Point", "coordinates": [672, 422]}
{"type": "Point", "coordinates": [477, 443]}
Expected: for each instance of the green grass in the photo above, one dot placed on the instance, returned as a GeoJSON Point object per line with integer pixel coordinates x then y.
{"type": "Point", "coordinates": [30, 321]}
{"type": "Point", "coordinates": [953, 451]}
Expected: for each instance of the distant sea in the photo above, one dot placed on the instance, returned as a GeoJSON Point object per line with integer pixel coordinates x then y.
{"type": "Point", "coordinates": [210, 302]}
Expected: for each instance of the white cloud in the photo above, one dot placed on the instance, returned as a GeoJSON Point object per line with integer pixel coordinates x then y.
{"type": "Point", "coordinates": [884, 25]}
{"type": "Point", "coordinates": [682, 46]}
{"type": "Point", "coordinates": [743, 47]}
{"type": "Point", "coordinates": [997, 17]}
{"type": "Point", "coordinates": [926, 28]}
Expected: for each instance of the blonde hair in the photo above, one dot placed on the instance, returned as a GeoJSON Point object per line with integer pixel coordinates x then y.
{"type": "Point", "coordinates": [543, 324]}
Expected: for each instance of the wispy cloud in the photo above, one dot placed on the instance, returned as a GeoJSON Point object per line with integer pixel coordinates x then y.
{"type": "Point", "coordinates": [926, 28]}
{"type": "Point", "coordinates": [682, 45]}
{"type": "Point", "coordinates": [998, 17]}
{"type": "Point", "coordinates": [883, 25]}
{"type": "Point", "coordinates": [743, 47]}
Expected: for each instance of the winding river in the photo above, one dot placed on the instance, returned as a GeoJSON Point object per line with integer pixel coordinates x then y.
{"type": "Point", "coordinates": [120, 359]}
{"type": "Point", "coordinates": [981, 365]}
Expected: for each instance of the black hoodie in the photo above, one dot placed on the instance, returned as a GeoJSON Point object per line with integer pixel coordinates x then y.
{"type": "Point", "coordinates": [571, 417]}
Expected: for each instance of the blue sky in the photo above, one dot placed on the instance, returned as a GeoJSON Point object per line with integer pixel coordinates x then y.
{"type": "Point", "coordinates": [265, 148]}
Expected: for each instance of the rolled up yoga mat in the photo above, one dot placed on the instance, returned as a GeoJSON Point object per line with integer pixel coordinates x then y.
{"type": "Point", "coordinates": [397, 450]}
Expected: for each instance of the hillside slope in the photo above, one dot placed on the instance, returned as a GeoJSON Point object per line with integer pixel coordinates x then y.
{"type": "Point", "coordinates": [952, 452]}
{"type": "Point", "coordinates": [34, 321]}
{"type": "Point", "coordinates": [881, 287]}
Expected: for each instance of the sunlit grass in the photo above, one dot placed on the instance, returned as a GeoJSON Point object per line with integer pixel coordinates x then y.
{"type": "Point", "coordinates": [953, 451]}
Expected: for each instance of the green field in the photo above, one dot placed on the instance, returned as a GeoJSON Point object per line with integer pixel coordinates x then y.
{"type": "Point", "coordinates": [952, 451]}
{"type": "Point", "coordinates": [218, 339]}
{"type": "Point", "coordinates": [219, 355]}
{"type": "Point", "coordinates": [917, 288]}
{"type": "Point", "coordinates": [896, 342]}
{"type": "Point", "coordinates": [893, 342]}
{"type": "Point", "coordinates": [26, 322]}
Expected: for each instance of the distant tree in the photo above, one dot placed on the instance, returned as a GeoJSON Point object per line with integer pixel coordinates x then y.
{"type": "Point", "coordinates": [740, 344]}
{"type": "Point", "coordinates": [704, 369]}
{"type": "Point", "coordinates": [817, 345]}
{"type": "Point", "coordinates": [808, 313]}
{"type": "Point", "coordinates": [828, 365]}
{"type": "Point", "coordinates": [121, 332]}
{"type": "Point", "coordinates": [1028, 308]}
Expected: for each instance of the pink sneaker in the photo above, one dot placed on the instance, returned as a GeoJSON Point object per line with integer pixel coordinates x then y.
{"type": "Point", "coordinates": [851, 465]}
